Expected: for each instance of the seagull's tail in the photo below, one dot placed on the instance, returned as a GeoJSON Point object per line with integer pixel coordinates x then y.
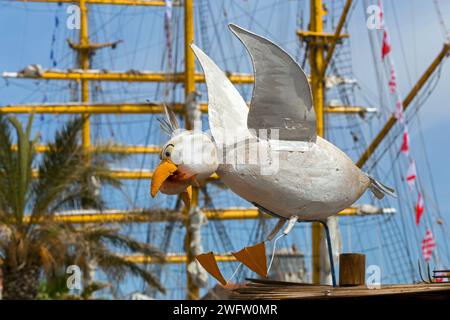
{"type": "Point", "coordinates": [379, 189]}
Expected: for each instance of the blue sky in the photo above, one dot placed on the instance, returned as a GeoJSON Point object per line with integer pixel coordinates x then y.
{"type": "Point", "coordinates": [416, 37]}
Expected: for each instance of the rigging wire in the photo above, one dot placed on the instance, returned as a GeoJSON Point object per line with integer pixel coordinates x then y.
{"type": "Point", "coordinates": [444, 29]}
{"type": "Point", "coordinates": [394, 255]}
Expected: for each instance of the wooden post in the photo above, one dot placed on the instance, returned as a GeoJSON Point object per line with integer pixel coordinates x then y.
{"type": "Point", "coordinates": [352, 269]}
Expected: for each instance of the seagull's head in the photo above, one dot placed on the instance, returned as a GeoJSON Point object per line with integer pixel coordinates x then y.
{"type": "Point", "coordinates": [188, 156]}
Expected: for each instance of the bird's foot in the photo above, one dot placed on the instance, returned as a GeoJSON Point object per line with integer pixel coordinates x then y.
{"type": "Point", "coordinates": [254, 257]}
{"type": "Point", "coordinates": [208, 261]}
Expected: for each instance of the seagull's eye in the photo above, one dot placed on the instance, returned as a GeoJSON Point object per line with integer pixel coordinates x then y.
{"type": "Point", "coordinates": [167, 152]}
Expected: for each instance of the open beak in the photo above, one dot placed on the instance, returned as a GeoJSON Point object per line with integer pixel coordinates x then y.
{"type": "Point", "coordinates": [164, 170]}
{"type": "Point", "coordinates": [167, 179]}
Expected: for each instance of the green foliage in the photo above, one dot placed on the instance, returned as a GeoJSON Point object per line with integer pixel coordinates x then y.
{"type": "Point", "coordinates": [55, 288]}
{"type": "Point", "coordinates": [67, 178]}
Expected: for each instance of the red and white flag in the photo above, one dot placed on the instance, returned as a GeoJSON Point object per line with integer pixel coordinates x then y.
{"type": "Point", "coordinates": [385, 46]}
{"type": "Point", "coordinates": [405, 143]}
{"type": "Point", "coordinates": [399, 111]}
{"type": "Point", "coordinates": [419, 208]}
{"type": "Point", "coordinates": [393, 81]}
{"type": "Point", "coordinates": [428, 245]}
{"type": "Point", "coordinates": [380, 5]}
{"type": "Point", "coordinates": [411, 175]}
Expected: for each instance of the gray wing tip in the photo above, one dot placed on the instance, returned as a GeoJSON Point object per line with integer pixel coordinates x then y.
{"type": "Point", "coordinates": [258, 47]}
{"type": "Point", "coordinates": [237, 30]}
{"type": "Point", "coordinates": [233, 27]}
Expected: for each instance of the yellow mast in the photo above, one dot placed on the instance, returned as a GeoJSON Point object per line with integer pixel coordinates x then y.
{"type": "Point", "coordinates": [84, 64]}
{"type": "Point", "coordinates": [317, 85]}
{"type": "Point", "coordinates": [317, 39]}
{"type": "Point", "coordinates": [193, 290]}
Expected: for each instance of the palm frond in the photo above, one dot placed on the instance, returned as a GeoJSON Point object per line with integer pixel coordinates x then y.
{"type": "Point", "coordinates": [68, 176]}
{"type": "Point", "coordinates": [121, 241]}
{"type": "Point", "coordinates": [7, 172]}
{"type": "Point", "coordinates": [67, 179]}
{"type": "Point", "coordinates": [47, 258]}
{"type": "Point", "coordinates": [60, 167]}
{"type": "Point", "coordinates": [117, 266]}
{"type": "Point", "coordinates": [15, 168]}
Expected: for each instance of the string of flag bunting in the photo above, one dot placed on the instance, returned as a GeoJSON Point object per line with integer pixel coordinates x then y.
{"type": "Point", "coordinates": [53, 60]}
{"type": "Point", "coordinates": [52, 56]}
{"type": "Point", "coordinates": [168, 31]}
{"type": "Point", "coordinates": [428, 242]}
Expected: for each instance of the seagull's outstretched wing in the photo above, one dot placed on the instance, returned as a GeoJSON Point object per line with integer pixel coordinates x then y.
{"type": "Point", "coordinates": [282, 96]}
{"type": "Point", "coordinates": [227, 110]}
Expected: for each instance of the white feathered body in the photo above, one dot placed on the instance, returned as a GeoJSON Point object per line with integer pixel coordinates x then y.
{"type": "Point", "coordinates": [313, 180]}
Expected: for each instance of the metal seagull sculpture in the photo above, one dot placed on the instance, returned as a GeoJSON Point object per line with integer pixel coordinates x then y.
{"type": "Point", "coordinates": [299, 177]}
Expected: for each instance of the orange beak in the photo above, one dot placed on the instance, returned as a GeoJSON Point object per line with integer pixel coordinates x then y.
{"type": "Point", "coordinates": [167, 172]}
{"type": "Point", "coordinates": [164, 170]}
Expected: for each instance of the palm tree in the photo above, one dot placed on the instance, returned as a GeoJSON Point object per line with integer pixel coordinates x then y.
{"type": "Point", "coordinates": [34, 244]}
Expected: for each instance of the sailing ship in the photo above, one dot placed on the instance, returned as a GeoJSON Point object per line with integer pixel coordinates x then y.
{"type": "Point", "coordinates": [101, 66]}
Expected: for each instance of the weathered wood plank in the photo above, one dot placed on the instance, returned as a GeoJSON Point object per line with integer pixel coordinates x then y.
{"type": "Point", "coordinates": [262, 289]}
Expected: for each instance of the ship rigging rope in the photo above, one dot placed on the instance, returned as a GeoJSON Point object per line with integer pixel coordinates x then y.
{"type": "Point", "coordinates": [394, 251]}
{"type": "Point", "coordinates": [437, 213]}
{"type": "Point", "coordinates": [412, 113]}
{"type": "Point", "coordinates": [418, 103]}
{"type": "Point", "coordinates": [402, 45]}
{"type": "Point", "coordinates": [166, 237]}
{"type": "Point", "coordinates": [166, 98]}
{"type": "Point", "coordinates": [444, 29]}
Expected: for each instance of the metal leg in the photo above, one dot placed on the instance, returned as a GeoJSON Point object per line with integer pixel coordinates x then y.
{"type": "Point", "coordinates": [327, 232]}
{"type": "Point", "coordinates": [281, 222]}
{"type": "Point", "coordinates": [330, 252]}
{"type": "Point", "coordinates": [273, 214]}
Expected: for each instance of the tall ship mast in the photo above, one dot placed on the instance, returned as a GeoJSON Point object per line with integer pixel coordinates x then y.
{"type": "Point", "coordinates": [101, 54]}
